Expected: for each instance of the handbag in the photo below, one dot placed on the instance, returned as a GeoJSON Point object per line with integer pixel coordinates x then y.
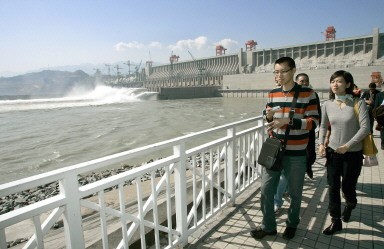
{"type": "Point", "coordinates": [272, 150]}
{"type": "Point", "coordinates": [271, 154]}
{"type": "Point", "coordinates": [369, 147]}
{"type": "Point", "coordinates": [370, 161]}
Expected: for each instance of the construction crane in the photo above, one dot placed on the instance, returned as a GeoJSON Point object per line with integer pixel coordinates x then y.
{"type": "Point", "coordinates": [98, 72]}
{"type": "Point", "coordinates": [220, 50]}
{"type": "Point", "coordinates": [330, 33]}
{"type": "Point", "coordinates": [138, 67]}
{"type": "Point", "coordinates": [109, 69]}
{"type": "Point", "coordinates": [250, 45]}
{"type": "Point", "coordinates": [171, 60]}
{"type": "Point", "coordinates": [129, 69]}
{"type": "Point", "coordinates": [117, 72]}
{"type": "Point", "coordinates": [200, 68]}
{"type": "Point", "coordinates": [149, 63]}
{"type": "Point", "coordinates": [174, 58]}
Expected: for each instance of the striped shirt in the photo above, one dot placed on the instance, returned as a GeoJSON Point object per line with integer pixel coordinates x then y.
{"type": "Point", "coordinates": [306, 117]}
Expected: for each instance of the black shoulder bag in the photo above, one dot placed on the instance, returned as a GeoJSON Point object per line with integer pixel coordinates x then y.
{"type": "Point", "coordinates": [272, 151]}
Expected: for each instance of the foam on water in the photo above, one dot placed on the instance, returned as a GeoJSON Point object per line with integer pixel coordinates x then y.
{"type": "Point", "coordinates": [100, 95]}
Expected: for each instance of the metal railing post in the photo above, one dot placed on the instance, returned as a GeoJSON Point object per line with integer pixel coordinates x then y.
{"type": "Point", "coordinates": [231, 164]}
{"type": "Point", "coordinates": [181, 192]}
{"type": "Point", "coordinates": [74, 235]}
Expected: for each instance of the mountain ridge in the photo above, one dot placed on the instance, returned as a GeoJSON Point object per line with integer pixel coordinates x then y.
{"type": "Point", "coordinates": [46, 82]}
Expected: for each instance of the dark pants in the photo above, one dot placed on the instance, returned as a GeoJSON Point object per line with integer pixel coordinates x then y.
{"type": "Point", "coordinates": [382, 137]}
{"type": "Point", "coordinates": [343, 171]}
{"type": "Point", "coordinates": [371, 119]}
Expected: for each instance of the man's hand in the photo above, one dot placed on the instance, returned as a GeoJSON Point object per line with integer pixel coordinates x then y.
{"type": "Point", "coordinates": [269, 113]}
{"type": "Point", "coordinates": [277, 123]}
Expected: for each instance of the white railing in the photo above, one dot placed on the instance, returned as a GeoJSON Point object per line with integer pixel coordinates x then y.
{"type": "Point", "coordinates": [162, 202]}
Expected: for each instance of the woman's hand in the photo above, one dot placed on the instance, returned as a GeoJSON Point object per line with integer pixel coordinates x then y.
{"type": "Point", "coordinates": [322, 150]}
{"type": "Point", "coordinates": [326, 141]}
{"type": "Point", "coordinates": [342, 149]}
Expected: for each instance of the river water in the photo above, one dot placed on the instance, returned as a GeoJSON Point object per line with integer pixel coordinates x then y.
{"type": "Point", "coordinates": [39, 135]}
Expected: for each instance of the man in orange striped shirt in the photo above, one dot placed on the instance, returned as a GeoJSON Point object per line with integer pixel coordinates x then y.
{"type": "Point", "coordinates": [305, 119]}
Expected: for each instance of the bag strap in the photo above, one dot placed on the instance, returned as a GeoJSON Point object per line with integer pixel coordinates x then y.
{"type": "Point", "coordinates": [291, 113]}
{"type": "Point", "coordinates": [356, 108]}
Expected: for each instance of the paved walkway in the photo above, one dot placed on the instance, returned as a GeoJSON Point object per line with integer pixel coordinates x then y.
{"type": "Point", "coordinates": [365, 229]}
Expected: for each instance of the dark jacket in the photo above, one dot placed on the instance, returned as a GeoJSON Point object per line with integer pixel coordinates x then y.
{"type": "Point", "coordinates": [379, 99]}
{"type": "Point", "coordinates": [370, 95]}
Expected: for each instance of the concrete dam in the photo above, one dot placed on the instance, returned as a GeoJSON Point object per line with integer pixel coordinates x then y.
{"type": "Point", "coordinates": [250, 70]}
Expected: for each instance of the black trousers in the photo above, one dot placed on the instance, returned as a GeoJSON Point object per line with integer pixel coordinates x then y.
{"type": "Point", "coordinates": [343, 171]}
{"type": "Point", "coordinates": [382, 137]}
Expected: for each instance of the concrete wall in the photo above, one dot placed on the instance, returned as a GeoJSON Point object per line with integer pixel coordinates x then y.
{"type": "Point", "coordinates": [319, 78]}
{"type": "Point", "coordinates": [188, 92]}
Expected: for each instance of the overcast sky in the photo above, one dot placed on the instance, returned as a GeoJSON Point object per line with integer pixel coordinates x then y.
{"type": "Point", "coordinates": [38, 34]}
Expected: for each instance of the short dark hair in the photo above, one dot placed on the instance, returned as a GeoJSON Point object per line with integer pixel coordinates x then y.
{"type": "Point", "coordinates": [302, 74]}
{"type": "Point", "coordinates": [372, 85]}
{"type": "Point", "coordinates": [348, 79]}
{"type": "Point", "coordinates": [291, 62]}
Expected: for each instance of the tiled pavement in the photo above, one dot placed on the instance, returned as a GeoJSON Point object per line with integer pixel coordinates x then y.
{"type": "Point", "coordinates": [365, 229]}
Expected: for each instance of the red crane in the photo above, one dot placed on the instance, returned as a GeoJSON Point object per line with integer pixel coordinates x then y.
{"type": "Point", "coordinates": [220, 50]}
{"type": "Point", "coordinates": [330, 33]}
{"type": "Point", "coordinates": [250, 45]}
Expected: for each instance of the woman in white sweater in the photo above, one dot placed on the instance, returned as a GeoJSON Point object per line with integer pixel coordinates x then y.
{"type": "Point", "coordinates": [344, 151]}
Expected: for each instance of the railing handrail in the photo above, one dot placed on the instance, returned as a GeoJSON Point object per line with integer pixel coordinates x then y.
{"type": "Point", "coordinates": [231, 162]}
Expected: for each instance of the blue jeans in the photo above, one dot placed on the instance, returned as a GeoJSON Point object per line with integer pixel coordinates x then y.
{"type": "Point", "coordinates": [294, 171]}
{"type": "Point", "coordinates": [281, 189]}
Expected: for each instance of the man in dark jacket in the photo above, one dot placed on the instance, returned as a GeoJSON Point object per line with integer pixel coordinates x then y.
{"type": "Point", "coordinates": [370, 97]}
{"type": "Point", "coordinates": [379, 101]}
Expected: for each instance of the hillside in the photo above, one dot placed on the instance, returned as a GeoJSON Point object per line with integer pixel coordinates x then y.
{"type": "Point", "coordinates": [45, 83]}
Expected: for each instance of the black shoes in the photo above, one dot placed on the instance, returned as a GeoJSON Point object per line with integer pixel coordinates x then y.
{"type": "Point", "coordinates": [346, 214]}
{"type": "Point", "coordinates": [259, 233]}
{"type": "Point", "coordinates": [289, 233]}
{"type": "Point", "coordinates": [333, 228]}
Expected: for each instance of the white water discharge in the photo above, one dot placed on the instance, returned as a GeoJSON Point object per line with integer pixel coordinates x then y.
{"type": "Point", "coordinates": [78, 97]}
